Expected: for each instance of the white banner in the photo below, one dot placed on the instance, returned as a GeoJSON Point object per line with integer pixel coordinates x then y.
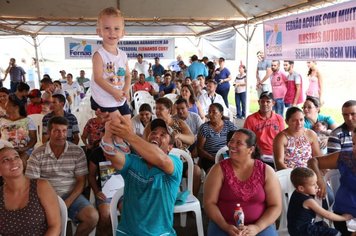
{"type": "Point", "coordinates": [327, 34]}
{"type": "Point", "coordinates": [76, 48]}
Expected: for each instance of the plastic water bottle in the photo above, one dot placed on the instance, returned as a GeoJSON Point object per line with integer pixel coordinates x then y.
{"type": "Point", "coordinates": [239, 216]}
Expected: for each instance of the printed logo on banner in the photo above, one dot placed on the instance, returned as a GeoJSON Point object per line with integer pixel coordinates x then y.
{"type": "Point", "coordinates": [274, 41]}
{"type": "Point", "coordinates": [80, 50]}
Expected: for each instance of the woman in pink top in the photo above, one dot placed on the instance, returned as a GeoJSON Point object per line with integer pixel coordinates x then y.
{"type": "Point", "coordinates": [295, 145]}
{"type": "Point", "coordinates": [315, 88]}
{"type": "Point", "coordinates": [242, 179]}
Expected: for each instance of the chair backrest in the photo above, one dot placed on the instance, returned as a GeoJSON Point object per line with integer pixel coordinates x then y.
{"type": "Point", "coordinates": [333, 177]}
{"type": "Point", "coordinates": [141, 97]}
{"type": "Point", "coordinates": [220, 153]}
{"type": "Point", "coordinates": [142, 93]}
{"type": "Point", "coordinates": [64, 216]}
{"type": "Point", "coordinates": [287, 191]}
{"type": "Point", "coordinates": [114, 212]}
{"type": "Point", "coordinates": [171, 96]}
{"type": "Point", "coordinates": [37, 119]}
{"type": "Point", "coordinates": [75, 101]}
{"type": "Point", "coordinates": [186, 156]}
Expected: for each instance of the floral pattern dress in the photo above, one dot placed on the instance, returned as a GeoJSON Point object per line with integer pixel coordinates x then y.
{"type": "Point", "coordinates": [297, 152]}
{"type": "Point", "coordinates": [16, 132]}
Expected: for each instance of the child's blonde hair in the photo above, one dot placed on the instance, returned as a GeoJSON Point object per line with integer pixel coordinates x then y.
{"type": "Point", "coordinates": [300, 175]}
{"type": "Point", "coordinates": [109, 11]}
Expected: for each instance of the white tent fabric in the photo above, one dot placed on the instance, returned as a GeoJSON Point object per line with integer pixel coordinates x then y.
{"type": "Point", "coordinates": [143, 17]}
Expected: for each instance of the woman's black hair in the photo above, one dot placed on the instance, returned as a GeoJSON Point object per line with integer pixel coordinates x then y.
{"type": "Point", "coordinates": [291, 111]}
{"type": "Point", "coordinates": [313, 100]}
{"type": "Point", "coordinates": [219, 107]}
{"type": "Point", "coordinates": [14, 101]}
{"type": "Point", "coordinates": [210, 65]}
{"type": "Point", "coordinates": [4, 90]}
{"type": "Point", "coordinates": [145, 107]}
{"type": "Point", "coordinates": [250, 141]}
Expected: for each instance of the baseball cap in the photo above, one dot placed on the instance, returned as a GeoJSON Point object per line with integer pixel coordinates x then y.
{"type": "Point", "coordinates": [34, 93]}
{"type": "Point", "coordinates": [161, 123]}
{"type": "Point", "coordinates": [266, 94]}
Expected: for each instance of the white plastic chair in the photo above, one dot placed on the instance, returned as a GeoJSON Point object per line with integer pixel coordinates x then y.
{"type": "Point", "coordinates": [75, 99]}
{"type": "Point", "coordinates": [219, 154]}
{"type": "Point", "coordinates": [142, 94]}
{"type": "Point", "coordinates": [37, 119]}
{"type": "Point", "coordinates": [114, 212]}
{"type": "Point", "coordinates": [192, 203]}
{"type": "Point", "coordinates": [287, 191]}
{"type": "Point", "coordinates": [333, 177]}
{"type": "Point", "coordinates": [64, 216]}
{"type": "Point", "coordinates": [171, 96]}
{"type": "Point", "coordinates": [142, 97]}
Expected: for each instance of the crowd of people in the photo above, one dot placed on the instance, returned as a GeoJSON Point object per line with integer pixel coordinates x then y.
{"type": "Point", "coordinates": [191, 112]}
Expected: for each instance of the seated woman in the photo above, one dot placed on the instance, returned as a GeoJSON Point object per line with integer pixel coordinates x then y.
{"type": "Point", "coordinates": [27, 207]}
{"type": "Point", "coordinates": [193, 104]}
{"type": "Point", "coordinates": [144, 117]}
{"type": "Point", "coordinates": [295, 145]}
{"type": "Point", "coordinates": [17, 128]}
{"type": "Point", "coordinates": [246, 180]}
{"type": "Point", "coordinates": [345, 198]}
{"type": "Point", "coordinates": [311, 109]}
{"type": "Point", "coordinates": [213, 135]}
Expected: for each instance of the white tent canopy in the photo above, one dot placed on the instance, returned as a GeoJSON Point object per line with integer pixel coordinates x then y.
{"type": "Point", "coordinates": [143, 17]}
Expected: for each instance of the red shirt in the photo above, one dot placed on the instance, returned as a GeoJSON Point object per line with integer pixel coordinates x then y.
{"type": "Point", "coordinates": [34, 108]}
{"type": "Point", "coordinates": [146, 86]}
{"type": "Point", "coordinates": [266, 129]}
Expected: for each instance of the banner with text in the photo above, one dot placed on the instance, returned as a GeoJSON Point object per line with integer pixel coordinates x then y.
{"type": "Point", "coordinates": [76, 48]}
{"type": "Point", "coordinates": [327, 34]}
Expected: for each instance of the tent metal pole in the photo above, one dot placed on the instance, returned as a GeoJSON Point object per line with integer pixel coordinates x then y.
{"type": "Point", "coordinates": [37, 61]}
{"type": "Point", "coordinates": [247, 27]}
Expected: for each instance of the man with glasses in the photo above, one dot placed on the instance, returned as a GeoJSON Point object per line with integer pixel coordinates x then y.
{"type": "Point", "coordinates": [263, 73]}
{"type": "Point", "coordinates": [340, 138]}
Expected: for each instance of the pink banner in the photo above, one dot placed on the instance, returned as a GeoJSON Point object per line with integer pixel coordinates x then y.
{"type": "Point", "coordinates": [327, 34]}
